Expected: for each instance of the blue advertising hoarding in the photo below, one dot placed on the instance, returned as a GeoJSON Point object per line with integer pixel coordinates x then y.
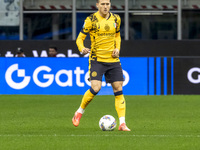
{"type": "Point", "coordinates": [69, 76]}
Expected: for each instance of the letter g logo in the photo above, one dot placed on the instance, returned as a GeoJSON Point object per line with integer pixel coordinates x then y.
{"type": "Point", "coordinates": [20, 73]}
{"type": "Point", "coordinates": [189, 75]}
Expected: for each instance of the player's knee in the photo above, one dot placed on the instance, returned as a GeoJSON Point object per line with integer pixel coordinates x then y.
{"type": "Point", "coordinates": [93, 92]}
{"type": "Point", "coordinates": [96, 89]}
{"type": "Point", "coordinates": [96, 86]}
{"type": "Point", "coordinates": [117, 87]}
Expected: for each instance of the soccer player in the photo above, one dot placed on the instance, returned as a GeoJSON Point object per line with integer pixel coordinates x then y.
{"type": "Point", "coordinates": [104, 29]}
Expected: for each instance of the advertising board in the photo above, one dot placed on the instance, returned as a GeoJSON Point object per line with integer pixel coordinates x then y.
{"type": "Point", "coordinates": [68, 76]}
{"type": "Point", "coordinates": [187, 75]}
{"type": "Point", "coordinates": [131, 48]}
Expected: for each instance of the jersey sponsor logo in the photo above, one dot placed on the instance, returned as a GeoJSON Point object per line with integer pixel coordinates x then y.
{"type": "Point", "coordinates": [106, 34]}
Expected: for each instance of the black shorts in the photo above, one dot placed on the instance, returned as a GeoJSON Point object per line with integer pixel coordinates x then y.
{"type": "Point", "coordinates": [111, 71]}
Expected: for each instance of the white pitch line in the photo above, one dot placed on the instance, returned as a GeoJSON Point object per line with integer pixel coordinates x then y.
{"type": "Point", "coordinates": [90, 135]}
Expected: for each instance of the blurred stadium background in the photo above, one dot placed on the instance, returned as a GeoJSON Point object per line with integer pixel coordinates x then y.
{"type": "Point", "coordinates": [63, 19]}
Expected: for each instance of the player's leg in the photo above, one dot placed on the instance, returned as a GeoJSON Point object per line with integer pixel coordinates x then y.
{"type": "Point", "coordinates": [89, 94]}
{"type": "Point", "coordinates": [115, 76]}
{"type": "Point", "coordinates": [120, 104]}
{"type": "Point", "coordinates": [96, 74]}
{"type": "Point", "coordinates": [87, 98]}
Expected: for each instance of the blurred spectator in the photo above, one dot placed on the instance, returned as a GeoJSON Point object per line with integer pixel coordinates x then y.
{"type": "Point", "coordinates": [52, 51]}
{"type": "Point", "coordinates": [20, 52]}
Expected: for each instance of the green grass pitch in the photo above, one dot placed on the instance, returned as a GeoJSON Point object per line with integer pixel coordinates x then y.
{"type": "Point", "coordinates": [43, 122]}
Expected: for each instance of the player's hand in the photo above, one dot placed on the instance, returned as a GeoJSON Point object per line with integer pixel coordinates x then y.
{"type": "Point", "coordinates": [85, 51]}
{"type": "Point", "coordinates": [115, 53]}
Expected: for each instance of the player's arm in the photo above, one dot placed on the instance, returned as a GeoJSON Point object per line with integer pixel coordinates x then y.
{"type": "Point", "coordinates": [80, 43]}
{"type": "Point", "coordinates": [82, 35]}
{"type": "Point", "coordinates": [118, 40]}
{"type": "Point", "coordinates": [116, 51]}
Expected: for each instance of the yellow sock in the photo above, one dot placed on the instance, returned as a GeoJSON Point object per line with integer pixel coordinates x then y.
{"type": "Point", "coordinates": [87, 98]}
{"type": "Point", "coordinates": [120, 105]}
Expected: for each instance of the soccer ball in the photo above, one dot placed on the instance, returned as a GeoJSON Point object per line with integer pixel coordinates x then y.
{"type": "Point", "coordinates": [107, 123]}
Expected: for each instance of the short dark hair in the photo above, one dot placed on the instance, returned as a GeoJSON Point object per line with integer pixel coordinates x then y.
{"type": "Point", "coordinates": [53, 47]}
{"type": "Point", "coordinates": [19, 50]}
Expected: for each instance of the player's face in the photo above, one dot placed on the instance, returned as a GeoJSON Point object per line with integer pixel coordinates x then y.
{"type": "Point", "coordinates": [104, 7]}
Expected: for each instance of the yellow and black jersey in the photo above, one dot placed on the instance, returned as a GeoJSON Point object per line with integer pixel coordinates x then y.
{"type": "Point", "coordinates": [104, 36]}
